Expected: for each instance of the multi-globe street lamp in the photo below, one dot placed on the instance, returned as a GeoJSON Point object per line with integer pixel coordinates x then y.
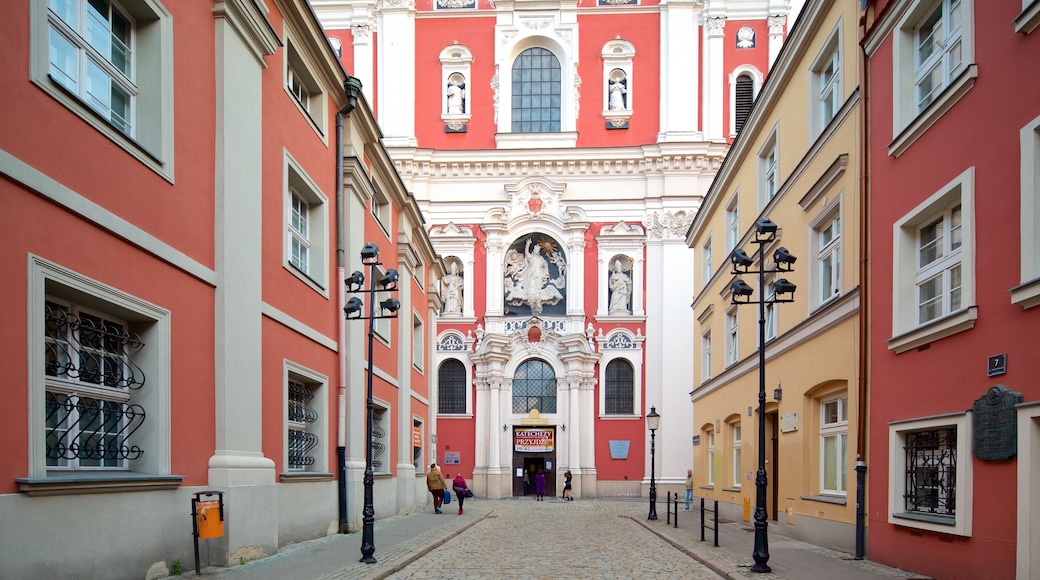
{"type": "Point", "coordinates": [653, 422]}
{"type": "Point", "coordinates": [387, 309]}
{"type": "Point", "coordinates": [782, 291]}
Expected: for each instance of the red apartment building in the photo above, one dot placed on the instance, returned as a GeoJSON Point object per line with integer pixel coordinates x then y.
{"type": "Point", "coordinates": [954, 160]}
{"type": "Point", "coordinates": [176, 225]}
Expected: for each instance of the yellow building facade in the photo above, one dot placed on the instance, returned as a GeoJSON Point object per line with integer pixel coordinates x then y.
{"type": "Point", "coordinates": [797, 162]}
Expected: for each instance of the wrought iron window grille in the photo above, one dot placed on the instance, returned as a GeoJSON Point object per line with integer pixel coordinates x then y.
{"type": "Point", "coordinates": [451, 398]}
{"type": "Point", "coordinates": [301, 442]}
{"type": "Point", "coordinates": [618, 395]}
{"type": "Point", "coordinates": [931, 471]}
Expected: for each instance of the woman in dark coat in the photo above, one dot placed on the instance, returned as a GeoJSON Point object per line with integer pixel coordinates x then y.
{"type": "Point", "coordinates": [567, 486]}
{"type": "Point", "coordinates": [539, 485]}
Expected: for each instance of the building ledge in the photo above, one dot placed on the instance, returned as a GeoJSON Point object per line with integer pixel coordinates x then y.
{"type": "Point", "coordinates": [79, 483]}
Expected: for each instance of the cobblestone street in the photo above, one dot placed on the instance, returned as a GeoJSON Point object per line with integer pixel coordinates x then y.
{"type": "Point", "coordinates": [556, 539]}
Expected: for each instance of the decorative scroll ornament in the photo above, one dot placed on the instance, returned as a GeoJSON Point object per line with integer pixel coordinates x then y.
{"type": "Point", "coordinates": [662, 225]}
{"type": "Point", "coordinates": [746, 37]}
{"type": "Point", "coordinates": [456, 4]}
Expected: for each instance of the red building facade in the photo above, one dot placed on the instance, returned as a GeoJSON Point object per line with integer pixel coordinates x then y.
{"type": "Point", "coordinates": [954, 425]}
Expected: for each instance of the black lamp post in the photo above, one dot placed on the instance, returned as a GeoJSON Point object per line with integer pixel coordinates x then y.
{"type": "Point", "coordinates": [370, 258]}
{"type": "Point", "coordinates": [653, 421]}
{"type": "Point", "coordinates": [783, 291]}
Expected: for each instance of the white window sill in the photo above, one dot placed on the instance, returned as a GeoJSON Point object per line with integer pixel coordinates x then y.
{"type": "Point", "coordinates": [1027, 295]}
{"type": "Point", "coordinates": [1028, 20]}
{"type": "Point", "coordinates": [937, 329]}
{"type": "Point", "coordinates": [924, 121]}
{"type": "Point", "coordinates": [75, 483]}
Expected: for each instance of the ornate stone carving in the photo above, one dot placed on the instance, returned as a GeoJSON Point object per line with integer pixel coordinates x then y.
{"type": "Point", "coordinates": [716, 26]}
{"type": "Point", "coordinates": [456, 4]}
{"type": "Point", "coordinates": [666, 224]}
{"type": "Point", "coordinates": [494, 92]}
{"type": "Point", "coordinates": [452, 342]}
{"type": "Point", "coordinates": [746, 37]}
{"type": "Point", "coordinates": [361, 32]}
{"type": "Point", "coordinates": [776, 24]}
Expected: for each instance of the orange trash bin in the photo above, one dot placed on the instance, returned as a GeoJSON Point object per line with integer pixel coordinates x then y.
{"type": "Point", "coordinates": [210, 524]}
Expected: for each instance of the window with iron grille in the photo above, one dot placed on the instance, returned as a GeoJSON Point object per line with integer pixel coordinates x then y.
{"type": "Point", "coordinates": [931, 469]}
{"type": "Point", "coordinates": [91, 381]}
{"type": "Point", "coordinates": [451, 388]}
{"type": "Point", "coordinates": [536, 89]}
{"type": "Point", "coordinates": [534, 387]}
{"type": "Point", "coordinates": [302, 421]}
{"type": "Point", "coordinates": [619, 397]}
{"type": "Point", "coordinates": [380, 439]}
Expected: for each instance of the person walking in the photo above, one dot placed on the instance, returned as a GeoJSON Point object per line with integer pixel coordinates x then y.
{"type": "Point", "coordinates": [459, 486]}
{"type": "Point", "coordinates": [539, 485]}
{"type": "Point", "coordinates": [689, 487]}
{"type": "Point", "coordinates": [435, 483]}
{"type": "Point", "coordinates": [567, 493]}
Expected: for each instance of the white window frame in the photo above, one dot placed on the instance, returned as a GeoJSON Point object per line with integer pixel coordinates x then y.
{"type": "Point", "coordinates": [944, 268]}
{"type": "Point", "coordinates": [381, 421]}
{"type": "Point", "coordinates": [707, 268]}
{"type": "Point", "coordinates": [511, 40]}
{"type": "Point", "coordinates": [706, 355]}
{"type": "Point", "coordinates": [418, 341]}
{"type": "Point", "coordinates": [771, 311]}
{"type": "Point", "coordinates": [618, 54]}
{"type": "Point", "coordinates": [1027, 294]}
{"type": "Point", "coordinates": [733, 231]}
{"type": "Point", "coordinates": [316, 274]}
{"type": "Point", "coordinates": [907, 334]}
{"type": "Point", "coordinates": [827, 287]}
{"type": "Point", "coordinates": [768, 169]}
{"type": "Point", "coordinates": [381, 326]}
{"type": "Point", "coordinates": [150, 139]}
{"type": "Point", "coordinates": [380, 207]}
{"type": "Point", "coordinates": [736, 436]}
{"type": "Point", "coordinates": [826, 93]}
{"type": "Point", "coordinates": [303, 87]}
{"type": "Point", "coordinates": [732, 336]}
{"type": "Point", "coordinates": [318, 385]}
{"type": "Point", "coordinates": [897, 430]}
{"type": "Point", "coordinates": [909, 121]}
{"type": "Point", "coordinates": [623, 344]}
{"type": "Point", "coordinates": [711, 457]}
{"type": "Point", "coordinates": [152, 323]}
{"type": "Point", "coordinates": [838, 430]}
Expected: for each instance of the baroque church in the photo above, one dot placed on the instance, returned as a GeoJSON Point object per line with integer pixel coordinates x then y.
{"type": "Point", "coordinates": [558, 150]}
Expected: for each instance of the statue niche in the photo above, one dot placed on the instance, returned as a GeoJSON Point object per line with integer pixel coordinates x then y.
{"type": "Point", "coordinates": [535, 279]}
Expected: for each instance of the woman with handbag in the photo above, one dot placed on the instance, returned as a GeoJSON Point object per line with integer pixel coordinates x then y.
{"type": "Point", "coordinates": [459, 485]}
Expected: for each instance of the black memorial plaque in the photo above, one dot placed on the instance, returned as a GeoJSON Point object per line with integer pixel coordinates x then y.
{"type": "Point", "coordinates": [995, 434]}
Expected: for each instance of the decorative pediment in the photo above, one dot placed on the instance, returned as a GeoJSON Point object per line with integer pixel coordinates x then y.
{"type": "Point", "coordinates": [535, 198]}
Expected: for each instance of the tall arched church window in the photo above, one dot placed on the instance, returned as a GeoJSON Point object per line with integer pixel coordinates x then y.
{"type": "Point", "coordinates": [745, 97]}
{"type": "Point", "coordinates": [451, 387]}
{"type": "Point", "coordinates": [619, 398]}
{"type": "Point", "coordinates": [536, 92]}
{"type": "Point", "coordinates": [534, 387]}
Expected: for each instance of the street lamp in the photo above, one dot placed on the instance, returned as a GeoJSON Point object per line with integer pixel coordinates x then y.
{"type": "Point", "coordinates": [783, 291]}
{"type": "Point", "coordinates": [653, 421]}
{"type": "Point", "coordinates": [387, 309]}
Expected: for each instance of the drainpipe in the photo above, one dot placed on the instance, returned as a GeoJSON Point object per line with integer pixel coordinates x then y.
{"type": "Point", "coordinates": [864, 311]}
{"type": "Point", "coordinates": [353, 88]}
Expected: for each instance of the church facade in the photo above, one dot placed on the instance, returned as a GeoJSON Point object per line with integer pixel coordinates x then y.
{"type": "Point", "coordinates": [559, 151]}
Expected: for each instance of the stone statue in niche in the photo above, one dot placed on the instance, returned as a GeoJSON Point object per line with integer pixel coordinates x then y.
{"type": "Point", "coordinates": [456, 94]}
{"type": "Point", "coordinates": [452, 283]}
{"type": "Point", "coordinates": [527, 278]}
{"type": "Point", "coordinates": [620, 285]}
{"type": "Point", "coordinates": [617, 87]}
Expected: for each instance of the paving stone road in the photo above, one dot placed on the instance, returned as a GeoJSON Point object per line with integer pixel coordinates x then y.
{"type": "Point", "coordinates": [556, 539]}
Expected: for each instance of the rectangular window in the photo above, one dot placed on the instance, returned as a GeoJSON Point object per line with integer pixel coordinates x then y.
{"type": "Point", "coordinates": [380, 206]}
{"type": "Point", "coordinates": [707, 270]}
{"type": "Point", "coordinates": [1027, 293]}
{"type": "Point", "coordinates": [733, 233]}
{"type": "Point", "coordinates": [930, 474]}
{"type": "Point", "coordinates": [306, 227]}
{"type": "Point", "coordinates": [933, 284]}
{"type": "Point", "coordinates": [825, 79]}
{"type": "Point", "coordinates": [706, 355]}
{"type": "Point", "coordinates": [303, 87]}
{"type": "Point", "coordinates": [768, 178]}
{"type": "Point", "coordinates": [711, 458]}
{"type": "Point", "coordinates": [732, 337]}
{"type": "Point", "coordinates": [938, 51]}
{"type": "Point", "coordinates": [381, 326]}
{"type": "Point", "coordinates": [301, 420]}
{"type": "Point", "coordinates": [736, 454]}
{"type": "Point", "coordinates": [110, 63]}
{"type": "Point", "coordinates": [380, 439]}
{"type": "Point", "coordinates": [834, 427]}
{"type": "Point", "coordinates": [418, 341]}
{"type": "Point", "coordinates": [828, 242]}
{"type": "Point", "coordinates": [771, 310]}
{"type": "Point", "coordinates": [938, 276]}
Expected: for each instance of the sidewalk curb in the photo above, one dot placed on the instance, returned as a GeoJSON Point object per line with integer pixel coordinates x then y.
{"type": "Point", "coordinates": [714, 566]}
{"type": "Point", "coordinates": [395, 566]}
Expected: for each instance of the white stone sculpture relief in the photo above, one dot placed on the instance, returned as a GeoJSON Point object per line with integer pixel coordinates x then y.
{"type": "Point", "coordinates": [527, 280]}
{"type": "Point", "coordinates": [456, 94]}
{"type": "Point", "coordinates": [620, 285]}
{"type": "Point", "coordinates": [453, 284]}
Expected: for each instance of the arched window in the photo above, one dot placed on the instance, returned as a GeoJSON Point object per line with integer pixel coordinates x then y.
{"type": "Point", "coordinates": [745, 97]}
{"type": "Point", "coordinates": [534, 387]}
{"type": "Point", "coordinates": [536, 92]}
{"type": "Point", "coordinates": [618, 399]}
{"type": "Point", "coordinates": [451, 387]}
